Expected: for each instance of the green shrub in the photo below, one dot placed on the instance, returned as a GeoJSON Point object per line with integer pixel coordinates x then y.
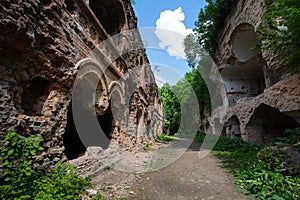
{"type": "Point", "coordinates": [199, 137]}
{"type": "Point", "coordinates": [267, 182]}
{"type": "Point", "coordinates": [164, 138]}
{"type": "Point", "coordinates": [291, 136]}
{"type": "Point", "coordinates": [264, 179]}
{"type": "Point", "coordinates": [22, 181]}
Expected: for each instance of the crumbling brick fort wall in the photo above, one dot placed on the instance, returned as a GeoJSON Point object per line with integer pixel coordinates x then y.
{"type": "Point", "coordinates": [263, 97]}
{"type": "Point", "coordinates": [43, 45]}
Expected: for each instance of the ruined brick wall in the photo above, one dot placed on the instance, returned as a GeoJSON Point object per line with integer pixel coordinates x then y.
{"type": "Point", "coordinates": [42, 45]}
{"type": "Point", "coordinates": [263, 98]}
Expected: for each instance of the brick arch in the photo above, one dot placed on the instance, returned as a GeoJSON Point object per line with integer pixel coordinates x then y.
{"type": "Point", "coordinates": [91, 75]}
{"type": "Point", "coordinates": [117, 101]}
{"type": "Point", "coordinates": [116, 87]}
{"type": "Point", "coordinates": [91, 105]}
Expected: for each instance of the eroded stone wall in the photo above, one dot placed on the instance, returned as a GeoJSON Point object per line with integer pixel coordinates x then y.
{"type": "Point", "coordinates": [44, 44]}
{"type": "Point", "coordinates": [263, 97]}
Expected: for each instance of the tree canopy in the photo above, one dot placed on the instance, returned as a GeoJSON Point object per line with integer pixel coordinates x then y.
{"type": "Point", "coordinates": [191, 84]}
{"type": "Point", "coordinates": [210, 21]}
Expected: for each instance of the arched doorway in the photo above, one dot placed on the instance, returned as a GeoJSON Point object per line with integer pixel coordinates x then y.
{"type": "Point", "coordinates": [93, 117]}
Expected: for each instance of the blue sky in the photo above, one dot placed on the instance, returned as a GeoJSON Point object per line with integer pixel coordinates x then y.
{"type": "Point", "coordinates": [164, 48]}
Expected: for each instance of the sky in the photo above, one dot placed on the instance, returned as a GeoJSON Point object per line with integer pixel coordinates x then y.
{"type": "Point", "coordinates": [163, 25]}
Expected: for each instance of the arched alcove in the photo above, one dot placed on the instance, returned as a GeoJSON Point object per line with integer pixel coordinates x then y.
{"type": "Point", "coordinates": [140, 123]}
{"type": "Point", "coordinates": [110, 14]}
{"type": "Point", "coordinates": [87, 100]}
{"type": "Point", "coordinates": [116, 103]}
{"type": "Point", "coordinates": [244, 39]}
{"type": "Point", "coordinates": [34, 96]}
{"type": "Point", "coordinates": [245, 77]}
{"type": "Point", "coordinates": [232, 127]}
{"type": "Point", "coordinates": [267, 123]}
{"type": "Point", "coordinates": [76, 144]}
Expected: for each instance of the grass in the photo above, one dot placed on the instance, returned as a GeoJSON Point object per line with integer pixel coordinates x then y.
{"type": "Point", "coordinates": [164, 138]}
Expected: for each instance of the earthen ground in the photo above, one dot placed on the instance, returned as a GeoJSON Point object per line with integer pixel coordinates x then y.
{"type": "Point", "coordinates": [189, 177]}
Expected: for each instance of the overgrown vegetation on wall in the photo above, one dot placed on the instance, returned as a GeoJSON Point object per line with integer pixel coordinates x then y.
{"type": "Point", "coordinates": [280, 31]}
{"type": "Point", "coordinates": [23, 179]}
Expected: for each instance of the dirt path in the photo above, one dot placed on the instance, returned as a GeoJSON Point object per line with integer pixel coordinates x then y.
{"type": "Point", "coordinates": [189, 177]}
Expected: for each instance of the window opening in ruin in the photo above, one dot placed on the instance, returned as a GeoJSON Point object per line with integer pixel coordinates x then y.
{"type": "Point", "coordinates": [244, 78]}
{"type": "Point", "coordinates": [71, 7]}
{"type": "Point", "coordinates": [244, 39]}
{"type": "Point", "coordinates": [34, 97]}
{"type": "Point", "coordinates": [110, 14]}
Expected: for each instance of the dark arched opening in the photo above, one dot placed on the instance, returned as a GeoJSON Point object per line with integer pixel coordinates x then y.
{"type": "Point", "coordinates": [110, 14]}
{"type": "Point", "coordinates": [267, 123]}
{"type": "Point", "coordinates": [106, 122]}
{"type": "Point", "coordinates": [90, 124]}
{"type": "Point", "coordinates": [72, 142]}
{"type": "Point", "coordinates": [74, 145]}
{"type": "Point", "coordinates": [139, 123]}
{"type": "Point", "coordinates": [232, 127]}
{"type": "Point", "coordinates": [71, 6]}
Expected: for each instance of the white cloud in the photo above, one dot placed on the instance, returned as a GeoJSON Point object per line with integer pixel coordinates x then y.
{"type": "Point", "coordinates": [171, 31]}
